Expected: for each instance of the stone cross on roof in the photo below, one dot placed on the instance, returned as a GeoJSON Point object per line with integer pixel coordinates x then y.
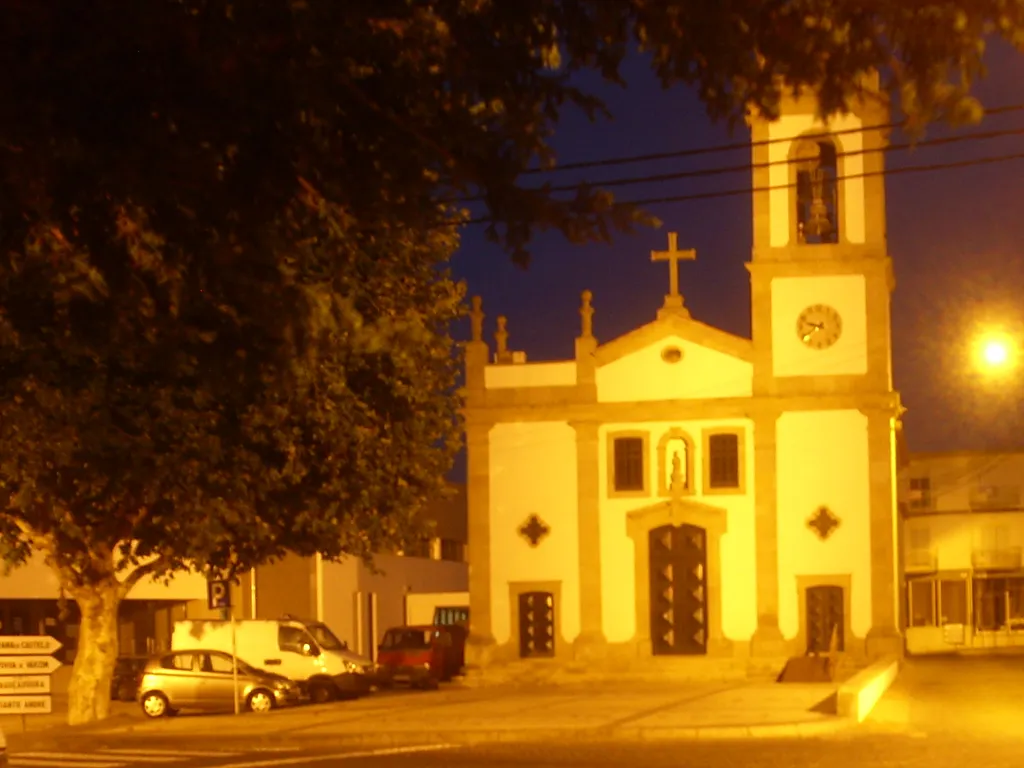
{"type": "Point", "coordinates": [673, 256]}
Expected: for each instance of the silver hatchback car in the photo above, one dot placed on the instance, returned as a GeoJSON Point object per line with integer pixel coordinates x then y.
{"type": "Point", "coordinates": [204, 680]}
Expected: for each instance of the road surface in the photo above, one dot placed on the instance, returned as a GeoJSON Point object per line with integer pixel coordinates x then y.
{"type": "Point", "coordinates": [944, 713]}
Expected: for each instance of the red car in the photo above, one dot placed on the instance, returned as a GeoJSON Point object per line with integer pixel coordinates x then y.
{"type": "Point", "coordinates": [420, 656]}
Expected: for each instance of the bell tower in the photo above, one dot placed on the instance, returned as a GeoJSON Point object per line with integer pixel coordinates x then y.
{"type": "Point", "coordinates": [826, 415]}
{"type": "Point", "coordinates": [821, 277]}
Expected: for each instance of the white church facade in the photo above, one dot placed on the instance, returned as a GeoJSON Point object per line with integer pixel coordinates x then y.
{"type": "Point", "coordinates": [681, 491]}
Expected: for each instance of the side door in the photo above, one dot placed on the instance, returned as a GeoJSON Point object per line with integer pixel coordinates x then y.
{"type": "Point", "coordinates": [297, 654]}
{"type": "Point", "coordinates": [179, 680]}
{"type": "Point", "coordinates": [216, 681]}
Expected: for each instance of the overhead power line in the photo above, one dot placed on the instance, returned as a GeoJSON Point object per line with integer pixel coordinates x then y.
{"type": "Point", "coordinates": [748, 167]}
{"type": "Point", "coordinates": [624, 160]}
{"type": "Point", "coordinates": [867, 174]}
{"type": "Point", "coordinates": [769, 188]}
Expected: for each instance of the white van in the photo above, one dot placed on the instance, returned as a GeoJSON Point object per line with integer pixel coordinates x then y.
{"type": "Point", "coordinates": [304, 651]}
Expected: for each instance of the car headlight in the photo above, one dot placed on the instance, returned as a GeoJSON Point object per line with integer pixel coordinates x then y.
{"type": "Point", "coordinates": [282, 685]}
{"type": "Point", "coordinates": [352, 668]}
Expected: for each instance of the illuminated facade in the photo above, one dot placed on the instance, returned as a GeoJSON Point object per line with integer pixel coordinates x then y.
{"type": "Point", "coordinates": [681, 491]}
{"type": "Point", "coordinates": [963, 532]}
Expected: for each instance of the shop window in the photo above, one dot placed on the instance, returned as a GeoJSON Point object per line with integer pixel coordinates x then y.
{"type": "Point", "coordinates": [953, 601]}
{"type": "Point", "coordinates": [921, 603]}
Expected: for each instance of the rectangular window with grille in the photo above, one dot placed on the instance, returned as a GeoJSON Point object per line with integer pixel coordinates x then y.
{"type": "Point", "coordinates": [453, 550]}
{"type": "Point", "coordinates": [723, 461]}
{"type": "Point", "coordinates": [920, 493]}
{"type": "Point", "coordinates": [419, 547]}
{"type": "Point", "coordinates": [629, 464]}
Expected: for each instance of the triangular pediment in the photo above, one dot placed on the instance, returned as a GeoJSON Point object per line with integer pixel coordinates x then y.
{"type": "Point", "coordinates": [676, 326]}
{"type": "Point", "coordinates": [674, 358]}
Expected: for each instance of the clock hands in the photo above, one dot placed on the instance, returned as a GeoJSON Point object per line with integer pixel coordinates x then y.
{"type": "Point", "coordinates": [814, 328]}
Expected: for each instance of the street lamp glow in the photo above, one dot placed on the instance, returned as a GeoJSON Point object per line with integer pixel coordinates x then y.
{"type": "Point", "coordinates": [995, 352]}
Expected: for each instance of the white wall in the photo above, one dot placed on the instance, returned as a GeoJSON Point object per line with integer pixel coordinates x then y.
{"type": "Point", "coordinates": [823, 461]}
{"type": "Point", "coordinates": [702, 373]}
{"type": "Point", "coordinates": [618, 562]}
{"type": "Point", "coordinates": [847, 294]}
{"type": "Point", "coordinates": [533, 471]}
{"type": "Point", "coordinates": [36, 581]}
{"type": "Point", "coordinates": [419, 608]}
{"type": "Point", "coordinates": [557, 374]}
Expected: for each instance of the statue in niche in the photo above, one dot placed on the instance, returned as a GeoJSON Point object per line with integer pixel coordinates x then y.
{"type": "Point", "coordinates": [676, 466]}
{"type": "Point", "coordinates": [677, 480]}
{"type": "Point", "coordinates": [817, 198]}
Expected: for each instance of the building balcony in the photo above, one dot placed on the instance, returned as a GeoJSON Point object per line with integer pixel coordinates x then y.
{"type": "Point", "coordinates": [920, 561]}
{"type": "Point", "coordinates": [995, 497]}
{"type": "Point", "coordinates": [1002, 559]}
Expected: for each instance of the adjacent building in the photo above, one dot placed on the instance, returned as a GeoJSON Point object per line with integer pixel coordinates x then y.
{"type": "Point", "coordinates": [963, 533]}
{"type": "Point", "coordinates": [359, 603]}
{"type": "Point", "coordinates": [682, 491]}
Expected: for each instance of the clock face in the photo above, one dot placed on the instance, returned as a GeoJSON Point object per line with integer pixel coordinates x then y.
{"type": "Point", "coordinates": [819, 326]}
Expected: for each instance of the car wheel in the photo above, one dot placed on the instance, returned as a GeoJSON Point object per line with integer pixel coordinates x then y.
{"type": "Point", "coordinates": [260, 701]}
{"type": "Point", "coordinates": [321, 693]}
{"type": "Point", "coordinates": [155, 704]}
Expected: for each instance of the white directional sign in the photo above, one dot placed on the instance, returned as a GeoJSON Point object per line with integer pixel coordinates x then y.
{"type": "Point", "coordinates": [24, 684]}
{"type": "Point", "coordinates": [24, 645]}
{"type": "Point", "coordinates": [25, 705]}
{"type": "Point", "coordinates": [28, 665]}
{"type": "Point", "coordinates": [25, 669]}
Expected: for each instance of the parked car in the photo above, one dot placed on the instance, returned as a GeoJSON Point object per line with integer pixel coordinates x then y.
{"type": "Point", "coordinates": [420, 656]}
{"type": "Point", "coordinates": [302, 650]}
{"type": "Point", "coordinates": [127, 676]}
{"type": "Point", "coordinates": [204, 680]}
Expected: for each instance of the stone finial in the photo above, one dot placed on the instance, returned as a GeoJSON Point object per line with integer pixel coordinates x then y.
{"type": "Point", "coordinates": [476, 318]}
{"type": "Point", "coordinates": [501, 335]}
{"type": "Point", "coordinates": [586, 315]}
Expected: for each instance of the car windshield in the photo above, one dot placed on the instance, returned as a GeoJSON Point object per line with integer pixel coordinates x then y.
{"type": "Point", "coordinates": [407, 640]}
{"type": "Point", "coordinates": [324, 637]}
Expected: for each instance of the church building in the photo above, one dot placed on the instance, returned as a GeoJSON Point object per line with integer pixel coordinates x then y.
{"type": "Point", "coordinates": [680, 490]}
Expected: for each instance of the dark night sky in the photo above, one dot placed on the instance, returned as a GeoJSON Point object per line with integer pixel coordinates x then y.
{"type": "Point", "coordinates": [955, 236]}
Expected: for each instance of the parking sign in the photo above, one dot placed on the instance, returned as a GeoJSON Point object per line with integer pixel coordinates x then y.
{"type": "Point", "coordinates": [218, 594]}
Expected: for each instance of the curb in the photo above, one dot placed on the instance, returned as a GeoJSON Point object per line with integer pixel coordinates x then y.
{"type": "Point", "coordinates": [807, 729]}
{"type": "Point", "coordinates": [794, 730]}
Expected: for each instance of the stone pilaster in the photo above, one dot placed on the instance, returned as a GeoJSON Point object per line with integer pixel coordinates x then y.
{"type": "Point", "coordinates": [480, 643]}
{"type": "Point", "coordinates": [591, 641]}
{"type": "Point", "coordinates": [767, 639]}
{"type": "Point", "coordinates": [884, 637]}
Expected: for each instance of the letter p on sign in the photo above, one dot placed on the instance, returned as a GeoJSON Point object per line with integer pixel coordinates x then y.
{"type": "Point", "coordinates": [218, 595]}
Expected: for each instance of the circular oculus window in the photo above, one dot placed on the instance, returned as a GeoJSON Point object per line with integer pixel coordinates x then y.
{"type": "Point", "coordinates": [671, 354]}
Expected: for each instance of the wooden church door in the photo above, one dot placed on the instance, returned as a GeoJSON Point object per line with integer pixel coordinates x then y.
{"type": "Point", "coordinates": [536, 624]}
{"type": "Point", "coordinates": [825, 612]}
{"type": "Point", "coordinates": [679, 615]}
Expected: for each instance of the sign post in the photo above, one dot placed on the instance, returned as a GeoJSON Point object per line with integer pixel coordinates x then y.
{"type": "Point", "coordinates": [26, 663]}
{"type": "Point", "coordinates": [234, 662]}
{"type": "Point", "coordinates": [218, 597]}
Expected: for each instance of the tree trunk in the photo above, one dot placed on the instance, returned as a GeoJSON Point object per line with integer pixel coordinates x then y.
{"type": "Point", "coordinates": [89, 690]}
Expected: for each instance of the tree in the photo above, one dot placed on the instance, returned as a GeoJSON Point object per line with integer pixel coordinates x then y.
{"type": "Point", "coordinates": [223, 310]}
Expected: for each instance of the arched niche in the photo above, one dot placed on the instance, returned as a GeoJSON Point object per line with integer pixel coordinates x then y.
{"type": "Point", "coordinates": [816, 192]}
{"type": "Point", "coordinates": [676, 441]}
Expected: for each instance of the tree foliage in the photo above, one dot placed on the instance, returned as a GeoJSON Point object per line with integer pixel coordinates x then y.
{"type": "Point", "coordinates": [223, 307]}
